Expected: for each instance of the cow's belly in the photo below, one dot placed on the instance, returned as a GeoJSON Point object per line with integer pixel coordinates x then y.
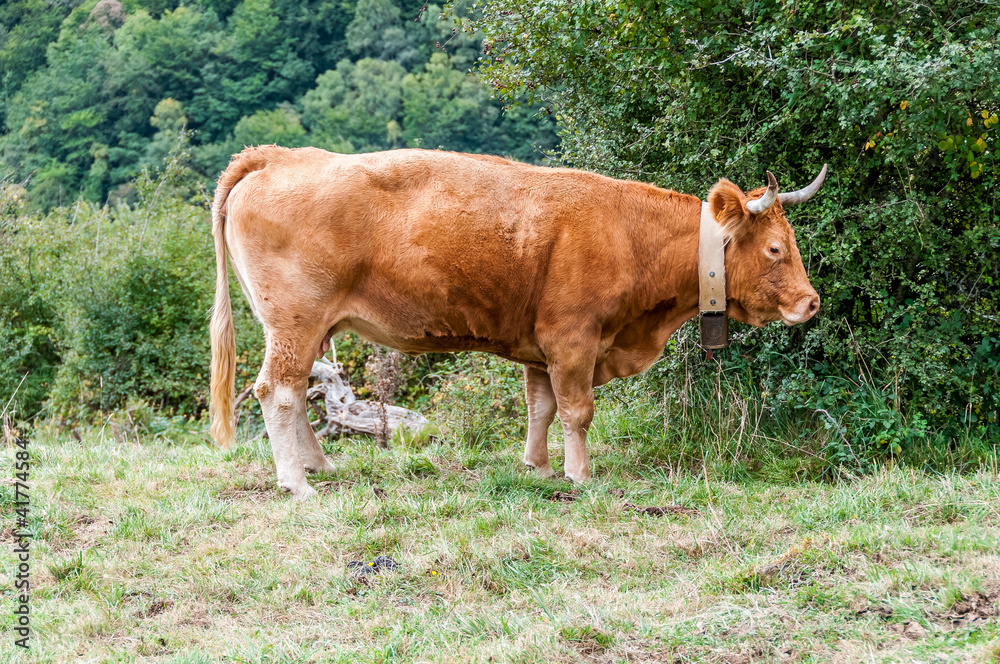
{"type": "Point", "coordinates": [522, 351]}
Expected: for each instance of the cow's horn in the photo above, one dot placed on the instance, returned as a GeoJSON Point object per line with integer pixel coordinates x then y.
{"type": "Point", "coordinates": [803, 195]}
{"type": "Point", "coordinates": [758, 205]}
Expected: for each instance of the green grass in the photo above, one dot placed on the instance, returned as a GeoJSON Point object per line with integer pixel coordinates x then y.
{"type": "Point", "coordinates": [161, 548]}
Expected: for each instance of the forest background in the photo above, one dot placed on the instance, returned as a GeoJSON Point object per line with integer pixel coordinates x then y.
{"type": "Point", "coordinates": [117, 117]}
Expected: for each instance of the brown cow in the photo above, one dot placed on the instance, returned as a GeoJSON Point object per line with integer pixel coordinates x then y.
{"type": "Point", "coordinates": [576, 276]}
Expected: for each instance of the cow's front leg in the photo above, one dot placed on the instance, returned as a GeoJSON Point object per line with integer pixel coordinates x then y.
{"type": "Point", "coordinates": [541, 411]}
{"type": "Point", "coordinates": [572, 382]}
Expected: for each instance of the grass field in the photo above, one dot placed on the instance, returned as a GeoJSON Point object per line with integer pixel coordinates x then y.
{"type": "Point", "coordinates": [158, 547]}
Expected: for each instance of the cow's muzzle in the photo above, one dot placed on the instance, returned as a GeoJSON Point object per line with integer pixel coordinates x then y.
{"type": "Point", "coordinates": [804, 308]}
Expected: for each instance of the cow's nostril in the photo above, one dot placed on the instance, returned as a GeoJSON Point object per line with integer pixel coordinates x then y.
{"type": "Point", "coordinates": [813, 305]}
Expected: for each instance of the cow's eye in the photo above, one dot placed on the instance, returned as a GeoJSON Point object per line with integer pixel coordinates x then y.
{"type": "Point", "coordinates": [775, 250]}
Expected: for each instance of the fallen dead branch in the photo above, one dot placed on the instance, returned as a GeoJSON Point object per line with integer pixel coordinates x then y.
{"type": "Point", "coordinates": [345, 414]}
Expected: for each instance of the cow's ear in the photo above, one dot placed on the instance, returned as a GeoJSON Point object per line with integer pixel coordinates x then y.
{"type": "Point", "coordinates": [729, 208]}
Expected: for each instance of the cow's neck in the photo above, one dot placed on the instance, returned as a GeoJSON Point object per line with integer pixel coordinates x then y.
{"type": "Point", "coordinates": [666, 295]}
{"type": "Point", "coordinates": [677, 277]}
{"type": "Point", "coordinates": [664, 227]}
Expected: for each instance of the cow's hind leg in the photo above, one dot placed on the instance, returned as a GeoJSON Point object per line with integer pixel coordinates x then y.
{"type": "Point", "coordinates": [281, 390]}
{"type": "Point", "coordinates": [309, 449]}
{"type": "Point", "coordinates": [541, 411]}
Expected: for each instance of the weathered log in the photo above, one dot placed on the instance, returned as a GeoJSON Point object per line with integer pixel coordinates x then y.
{"type": "Point", "coordinates": [345, 414]}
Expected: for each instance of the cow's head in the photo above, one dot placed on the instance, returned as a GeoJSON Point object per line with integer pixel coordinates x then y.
{"type": "Point", "coordinates": [765, 278]}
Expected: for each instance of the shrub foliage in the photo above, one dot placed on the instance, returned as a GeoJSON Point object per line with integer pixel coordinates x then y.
{"type": "Point", "coordinates": [102, 303]}
{"type": "Point", "coordinates": [902, 243]}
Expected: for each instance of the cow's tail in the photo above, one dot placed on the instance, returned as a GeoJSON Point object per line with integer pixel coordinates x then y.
{"type": "Point", "coordinates": [220, 406]}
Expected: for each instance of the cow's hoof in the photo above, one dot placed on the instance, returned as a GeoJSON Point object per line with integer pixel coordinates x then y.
{"type": "Point", "coordinates": [299, 491]}
{"type": "Point", "coordinates": [579, 477]}
{"type": "Point", "coordinates": [542, 471]}
{"type": "Point", "coordinates": [325, 467]}
{"type": "Point", "coordinates": [304, 493]}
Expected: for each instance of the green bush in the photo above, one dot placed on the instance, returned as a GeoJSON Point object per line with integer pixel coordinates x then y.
{"type": "Point", "coordinates": [903, 241]}
{"type": "Point", "coordinates": [100, 304]}
{"type": "Point", "coordinates": [144, 334]}
{"type": "Point", "coordinates": [28, 354]}
{"type": "Point", "coordinates": [480, 401]}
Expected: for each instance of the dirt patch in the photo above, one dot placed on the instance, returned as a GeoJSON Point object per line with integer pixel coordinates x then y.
{"type": "Point", "coordinates": [661, 510]}
{"type": "Point", "coordinates": [883, 612]}
{"type": "Point", "coordinates": [972, 608]}
{"type": "Point", "coordinates": [328, 486]}
{"type": "Point", "coordinates": [198, 618]}
{"type": "Point", "coordinates": [731, 658]}
{"type": "Point", "coordinates": [133, 595]}
{"type": "Point", "coordinates": [880, 559]}
{"type": "Point", "coordinates": [83, 520]}
{"type": "Point", "coordinates": [88, 530]}
{"type": "Point", "coordinates": [260, 492]}
{"type": "Point", "coordinates": [978, 607]}
{"type": "Point", "coordinates": [156, 608]}
{"type": "Point", "coordinates": [650, 510]}
{"type": "Point", "coordinates": [909, 629]}
{"type": "Point", "coordinates": [78, 526]}
{"type": "Point", "coordinates": [563, 496]}
{"type": "Point", "coordinates": [588, 649]}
